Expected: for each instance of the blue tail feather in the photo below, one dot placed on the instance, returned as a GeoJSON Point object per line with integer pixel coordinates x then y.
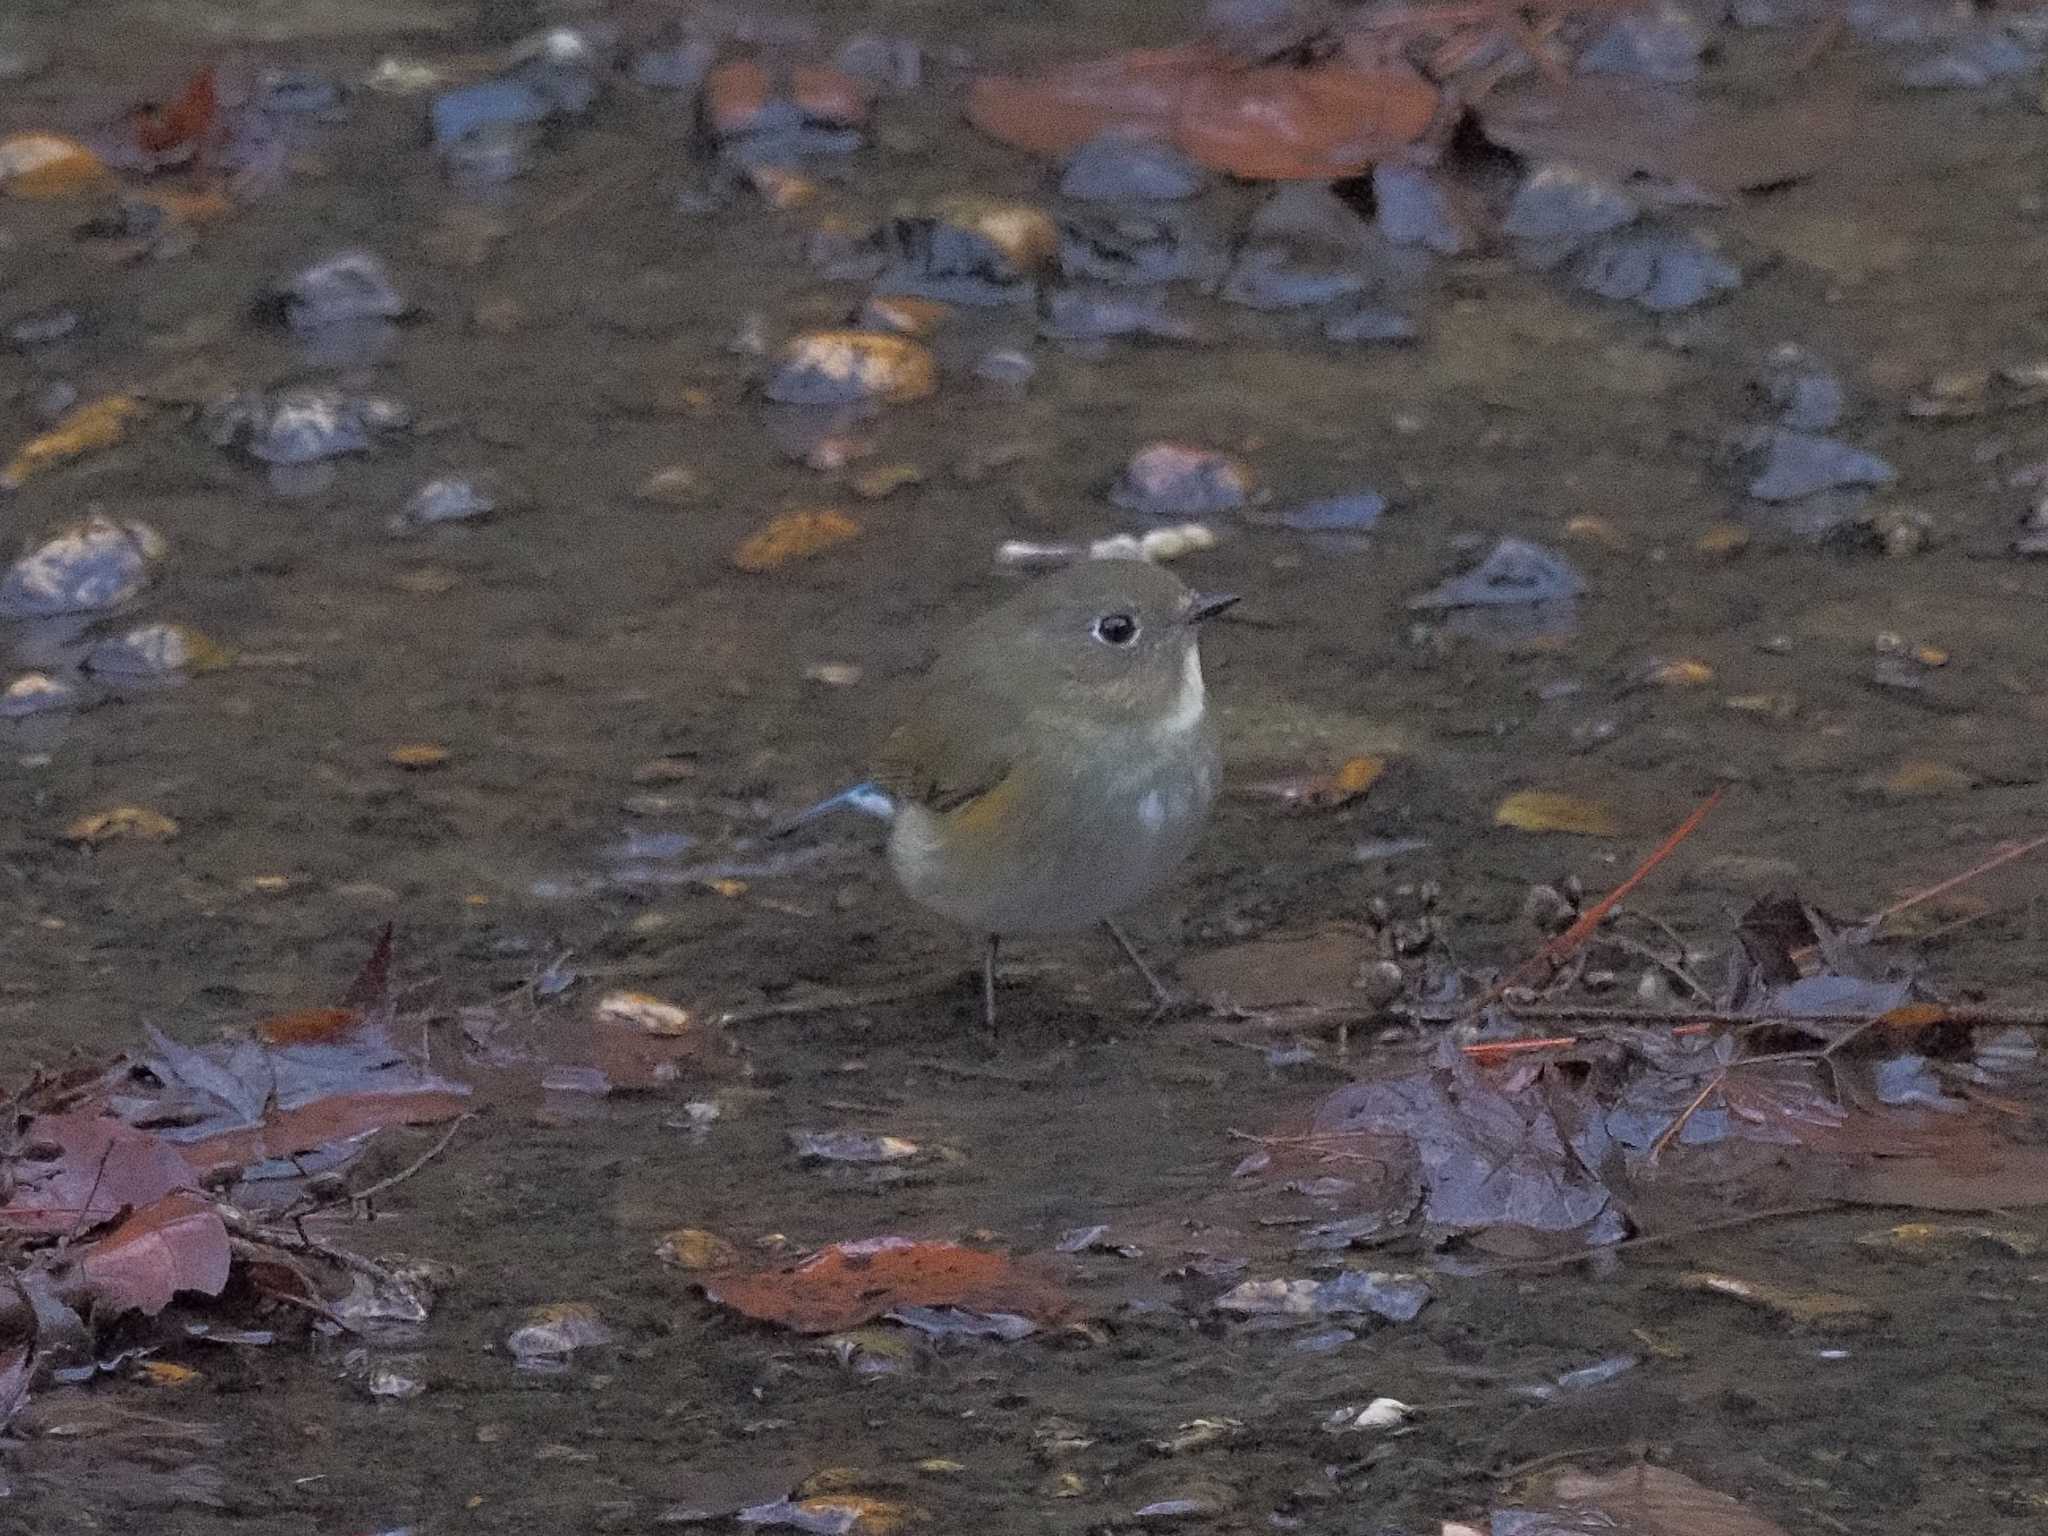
{"type": "Point", "coordinates": [867, 797]}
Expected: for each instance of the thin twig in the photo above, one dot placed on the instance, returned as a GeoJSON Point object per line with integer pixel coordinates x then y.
{"type": "Point", "coordinates": [1650, 1239]}
{"type": "Point", "coordinates": [1565, 943]}
{"type": "Point", "coordinates": [410, 1168]}
{"type": "Point", "coordinates": [2003, 856]}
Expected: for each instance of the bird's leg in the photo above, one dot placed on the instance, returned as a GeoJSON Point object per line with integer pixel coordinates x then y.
{"type": "Point", "coordinates": [1160, 993]}
{"type": "Point", "coordinates": [988, 982]}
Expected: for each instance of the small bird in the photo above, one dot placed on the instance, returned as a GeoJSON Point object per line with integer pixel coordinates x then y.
{"type": "Point", "coordinates": [1057, 761]}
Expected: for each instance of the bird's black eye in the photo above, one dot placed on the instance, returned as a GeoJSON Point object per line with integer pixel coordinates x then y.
{"type": "Point", "coordinates": [1116, 629]}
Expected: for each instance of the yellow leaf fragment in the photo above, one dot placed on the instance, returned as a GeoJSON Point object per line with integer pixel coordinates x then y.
{"type": "Point", "coordinates": [137, 822]}
{"type": "Point", "coordinates": [165, 1373]}
{"type": "Point", "coordinates": [1544, 810]}
{"type": "Point", "coordinates": [81, 430]}
{"type": "Point", "coordinates": [417, 756]}
{"type": "Point", "coordinates": [1919, 777]}
{"type": "Point", "coordinates": [41, 165]}
{"type": "Point", "coordinates": [794, 536]}
{"type": "Point", "coordinates": [1723, 540]}
{"type": "Point", "coordinates": [1686, 672]}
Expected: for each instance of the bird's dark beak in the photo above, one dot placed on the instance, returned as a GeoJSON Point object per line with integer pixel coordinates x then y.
{"type": "Point", "coordinates": [1208, 604]}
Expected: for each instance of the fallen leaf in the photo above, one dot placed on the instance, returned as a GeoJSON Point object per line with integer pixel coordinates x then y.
{"type": "Point", "coordinates": [794, 536]}
{"type": "Point", "coordinates": [309, 1026]}
{"type": "Point", "coordinates": [42, 165]}
{"type": "Point", "coordinates": [845, 367]}
{"type": "Point", "coordinates": [1321, 123]}
{"type": "Point", "coordinates": [1972, 1169]}
{"type": "Point", "coordinates": [1541, 810]}
{"type": "Point", "coordinates": [81, 430]}
{"type": "Point", "coordinates": [560, 1328]}
{"type": "Point", "coordinates": [179, 1243]}
{"type": "Point", "coordinates": [694, 1248]}
{"type": "Point", "coordinates": [637, 1010]}
{"type": "Point", "coordinates": [1646, 1500]}
{"type": "Point", "coordinates": [1326, 791]}
{"type": "Point", "coordinates": [337, 1118]}
{"type": "Point", "coordinates": [165, 1373]}
{"type": "Point", "coordinates": [69, 1172]}
{"type": "Point", "coordinates": [1829, 1311]}
{"type": "Point", "coordinates": [186, 123]}
{"type": "Point", "coordinates": [123, 821]}
{"type": "Point", "coordinates": [1919, 777]}
{"type": "Point", "coordinates": [418, 756]}
{"type": "Point", "coordinates": [848, 1284]}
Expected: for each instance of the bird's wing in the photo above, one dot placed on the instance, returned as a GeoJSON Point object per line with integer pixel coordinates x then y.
{"type": "Point", "coordinates": [954, 744]}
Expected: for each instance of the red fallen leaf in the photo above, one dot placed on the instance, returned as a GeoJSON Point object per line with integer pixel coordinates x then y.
{"type": "Point", "coordinates": [1322, 123]}
{"type": "Point", "coordinates": [735, 95]}
{"type": "Point", "coordinates": [1137, 92]}
{"type": "Point", "coordinates": [848, 1284]}
{"type": "Point", "coordinates": [372, 986]}
{"type": "Point", "coordinates": [337, 1118]}
{"type": "Point", "coordinates": [73, 1171]}
{"type": "Point", "coordinates": [187, 122]}
{"type": "Point", "coordinates": [176, 1244]}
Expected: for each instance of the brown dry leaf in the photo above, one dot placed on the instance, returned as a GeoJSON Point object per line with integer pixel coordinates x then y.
{"type": "Point", "coordinates": [70, 1172]}
{"type": "Point", "coordinates": [1656, 1501]}
{"type": "Point", "coordinates": [1826, 1310]}
{"type": "Point", "coordinates": [1922, 1238]}
{"type": "Point", "coordinates": [40, 165]}
{"type": "Point", "coordinates": [1543, 810]}
{"type": "Point", "coordinates": [1623, 128]}
{"type": "Point", "coordinates": [178, 1243]}
{"type": "Point", "coordinates": [1026, 235]}
{"type": "Point", "coordinates": [1270, 973]}
{"type": "Point", "coordinates": [848, 1284]}
{"type": "Point", "coordinates": [81, 430]}
{"type": "Point", "coordinates": [868, 1515]}
{"type": "Point", "coordinates": [137, 822]}
{"type": "Point", "coordinates": [794, 536]}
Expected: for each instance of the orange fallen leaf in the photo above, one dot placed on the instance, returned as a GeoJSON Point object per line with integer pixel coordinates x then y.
{"type": "Point", "coordinates": [43, 165]}
{"type": "Point", "coordinates": [848, 1284]}
{"type": "Point", "coordinates": [794, 536]}
{"type": "Point", "coordinates": [135, 822]}
{"type": "Point", "coordinates": [1327, 791]}
{"type": "Point", "coordinates": [309, 1026]}
{"type": "Point", "coordinates": [840, 367]}
{"type": "Point", "coordinates": [1321, 123]}
{"type": "Point", "coordinates": [418, 756]}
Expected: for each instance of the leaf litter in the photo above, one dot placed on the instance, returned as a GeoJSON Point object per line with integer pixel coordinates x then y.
{"type": "Point", "coordinates": [133, 1185]}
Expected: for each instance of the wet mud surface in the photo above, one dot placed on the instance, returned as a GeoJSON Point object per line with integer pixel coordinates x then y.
{"type": "Point", "coordinates": [575, 336]}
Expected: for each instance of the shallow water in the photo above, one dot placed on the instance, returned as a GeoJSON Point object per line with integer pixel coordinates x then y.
{"type": "Point", "coordinates": [557, 647]}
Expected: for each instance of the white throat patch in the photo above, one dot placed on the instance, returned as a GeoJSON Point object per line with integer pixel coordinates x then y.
{"type": "Point", "coordinates": [1189, 703]}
